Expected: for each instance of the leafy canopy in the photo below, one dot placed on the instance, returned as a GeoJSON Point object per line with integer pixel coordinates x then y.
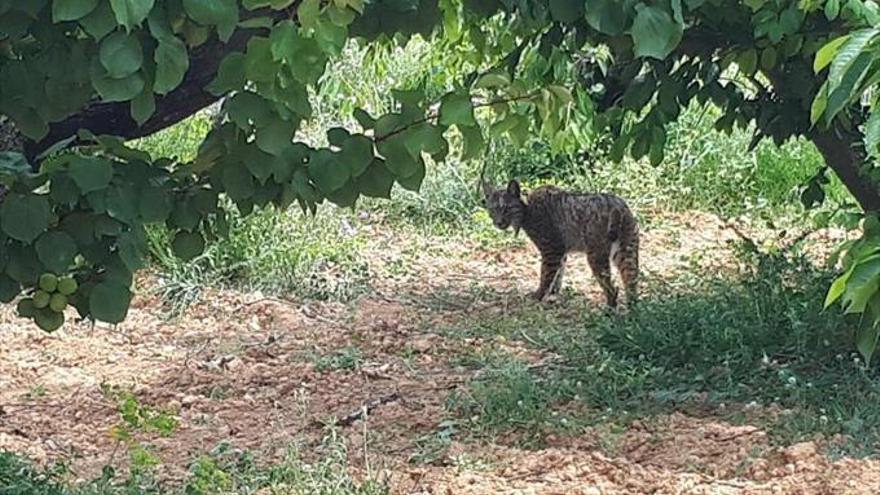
{"type": "Point", "coordinates": [566, 70]}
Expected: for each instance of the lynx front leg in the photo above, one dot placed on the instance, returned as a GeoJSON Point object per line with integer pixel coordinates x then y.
{"type": "Point", "coordinates": [556, 285]}
{"type": "Point", "coordinates": [551, 267]}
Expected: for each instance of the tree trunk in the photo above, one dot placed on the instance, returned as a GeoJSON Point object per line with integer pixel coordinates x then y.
{"type": "Point", "coordinates": [843, 152]}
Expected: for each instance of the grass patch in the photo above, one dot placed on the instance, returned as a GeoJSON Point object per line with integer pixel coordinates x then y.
{"type": "Point", "coordinates": [348, 359]}
{"type": "Point", "coordinates": [224, 470]}
{"type": "Point", "coordinates": [281, 253]}
{"type": "Point", "coordinates": [761, 338]}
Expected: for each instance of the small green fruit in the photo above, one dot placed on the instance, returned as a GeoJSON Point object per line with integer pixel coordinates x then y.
{"type": "Point", "coordinates": [67, 286]}
{"type": "Point", "coordinates": [41, 299]}
{"type": "Point", "coordinates": [58, 302]}
{"type": "Point", "coordinates": [26, 308]}
{"type": "Point", "coordinates": [48, 320]}
{"type": "Point", "coordinates": [48, 282]}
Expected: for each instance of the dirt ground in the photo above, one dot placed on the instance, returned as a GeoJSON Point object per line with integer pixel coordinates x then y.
{"type": "Point", "coordinates": [240, 368]}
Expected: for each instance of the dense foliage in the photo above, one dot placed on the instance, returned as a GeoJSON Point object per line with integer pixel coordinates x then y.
{"type": "Point", "coordinates": [80, 77]}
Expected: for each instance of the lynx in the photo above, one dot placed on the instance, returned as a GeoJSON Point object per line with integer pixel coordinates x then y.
{"type": "Point", "coordinates": [560, 222]}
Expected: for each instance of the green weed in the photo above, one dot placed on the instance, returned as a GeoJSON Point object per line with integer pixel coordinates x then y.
{"type": "Point", "coordinates": [348, 359]}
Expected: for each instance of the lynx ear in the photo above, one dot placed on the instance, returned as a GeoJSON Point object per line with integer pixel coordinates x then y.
{"type": "Point", "coordinates": [513, 188]}
{"type": "Point", "coordinates": [487, 188]}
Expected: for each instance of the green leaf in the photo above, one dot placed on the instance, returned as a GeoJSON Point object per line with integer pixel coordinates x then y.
{"type": "Point", "coordinates": [185, 215]}
{"type": "Point", "coordinates": [29, 122]}
{"type": "Point", "coordinates": [9, 289]}
{"type": "Point", "coordinates": [100, 22]}
{"type": "Point", "coordinates": [330, 37]}
{"type": "Point", "coordinates": [63, 190]}
{"type": "Point", "coordinates": [341, 16]}
{"type": "Point", "coordinates": [154, 204]}
{"type": "Point", "coordinates": [655, 34]}
{"type": "Point", "coordinates": [847, 87]}
{"type": "Point", "coordinates": [258, 162]}
{"type": "Point", "coordinates": [275, 136]}
{"type": "Point", "coordinates": [357, 154]}
{"type": "Point", "coordinates": [344, 197]}
{"type": "Point", "coordinates": [131, 13]}
{"type": "Point", "coordinates": [90, 173]}
{"type": "Point", "coordinates": [24, 216]}
{"type": "Point", "coordinates": [413, 182]}
{"type": "Point", "coordinates": [677, 13]}
{"type": "Point", "coordinates": [172, 62]}
{"type": "Point", "coordinates": [337, 135]}
{"type": "Point", "coordinates": [131, 248]}
{"type": "Point", "coordinates": [220, 13]}
{"type": "Point", "coordinates": [284, 34]}
{"type": "Point", "coordinates": [327, 171]}
{"type": "Point", "coordinates": [497, 79]}
{"type": "Point", "coordinates": [457, 109]}
{"type": "Point", "coordinates": [866, 341]}
{"type": "Point", "coordinates": [56, 251]}
{"type": "Point", "coordinates": [364, 119]}
{"type": "Point", "coordinates": [302, 55]}
{"type": "Point", "coordinates": [230, 75]}
{"type": "Point", "coordinates": [188, 245]}
{"type": "Point", "coordinates": [116, 90]}
{"type": "Point", "coordinates": [428, 138]}
{"type": "Point", "coordinates": [247, 107]}
{"type": "Point", "coordinates": [292, 159]}
{"type": "Point", "coordinates": [259, 65]}
{"type": "Point", "coordinates": [122, 203]}
{"type": "Point", "coordinates": [567, 11]}
{"type": "Point", "coordinates": [109, 302]}
{"type": "Point", "coordinates": [820, 103]}
{"type": "Point", "coordinates": [848, 53]}
{"type": "Point", "coordinates": [376, 181]}
{"type": "Point", "coordinates": [23, 265]}
{"type": "Point", "coordinates": [862, 284]}
{"type": "Point", "coordinates": [308, 13]}
{"type": "Point", "coordinates": [837, 289]}
{"type": "Point", "coordinates": [826, 54]}
{"type": "Point", "coordinates": [832, 9]}
{"type": "Point", "coordinates": [398, 159]}
{"type": "Point", "coordinates": [872, 134]}
{"type": "Point", "coordinates": [143, 107]}
{"type": "Point", "coordinates": [71, 10]}
{"type": "Point", "coordinates": [238, 181]}
{"type": "Point", "coordinates": [607, 16]}
{"type": "Point", "coordinates": [768, 58]}
{"type": "Point", "coordinates": [474, 143]}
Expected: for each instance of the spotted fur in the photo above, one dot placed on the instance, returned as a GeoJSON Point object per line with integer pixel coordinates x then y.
{"type": "Point", "coordinates": [560, 222]}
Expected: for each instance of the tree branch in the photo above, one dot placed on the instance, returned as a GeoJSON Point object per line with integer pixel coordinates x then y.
{"type": "Point", "coordinates": [187, 99]}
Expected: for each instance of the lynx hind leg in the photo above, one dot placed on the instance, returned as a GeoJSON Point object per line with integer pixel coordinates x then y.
{"type": "Point", "coordinates": [600, 264]}
{"type": "Point", "coordinates": [626, 257]}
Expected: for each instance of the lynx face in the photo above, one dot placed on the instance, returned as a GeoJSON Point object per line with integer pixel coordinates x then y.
{"type": "Point", "coordinates": [505, 206]}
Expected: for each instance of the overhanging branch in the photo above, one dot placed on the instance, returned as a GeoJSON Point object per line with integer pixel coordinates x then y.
{"type": "Point", "coordinates": [187, 99]}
